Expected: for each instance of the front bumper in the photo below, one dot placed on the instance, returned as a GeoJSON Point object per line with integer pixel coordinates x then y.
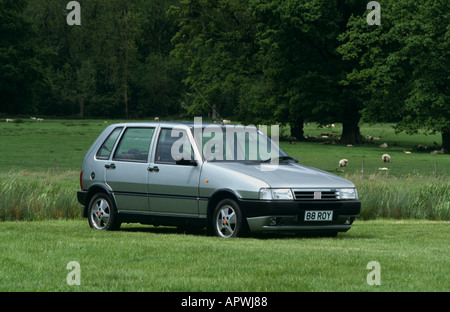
{"type": "Point", "coordinates": [289, 215]}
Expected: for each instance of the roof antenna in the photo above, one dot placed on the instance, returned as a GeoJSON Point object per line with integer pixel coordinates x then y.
{"type": "Point", "coordinates": [209, 105]}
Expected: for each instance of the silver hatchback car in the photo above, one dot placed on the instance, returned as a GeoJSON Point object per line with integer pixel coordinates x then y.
{"type": "Point", "coordinates": [230, 179]}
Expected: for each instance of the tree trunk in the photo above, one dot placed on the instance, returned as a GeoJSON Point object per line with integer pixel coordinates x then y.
{"type": "Point", "coordinates": [125, 96]}
{"type": "Point", "coordinates": [214, 113]}
{"type": "Point", "coordinates": [81, 104]}
{"type": "Point", "coordinates": [351, 133]}
{"type": "Point", "coordinates": [297, 129]}
{"type": "Point", "coordinates": [446, 141]}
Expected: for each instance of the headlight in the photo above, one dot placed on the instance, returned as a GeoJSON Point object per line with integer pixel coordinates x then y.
{"type": "Point", "coordinates": [348, 193]}
{"type": "Point", "coordinates": [275, 194]}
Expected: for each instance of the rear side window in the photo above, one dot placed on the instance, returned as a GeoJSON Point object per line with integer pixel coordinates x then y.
{"type": "Point", "coordinates": [134, 145]}
{"type": "Point", "coordinates": [106, 149]}
{"type": "Point", "coordinates": [172, 146]}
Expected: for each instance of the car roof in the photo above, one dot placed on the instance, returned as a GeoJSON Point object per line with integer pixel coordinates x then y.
{"type": "Point", "coordinates": [174, 123]}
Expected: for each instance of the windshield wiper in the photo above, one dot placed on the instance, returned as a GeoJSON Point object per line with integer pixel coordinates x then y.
{"type": "Point", "coordinates": [269, 160]}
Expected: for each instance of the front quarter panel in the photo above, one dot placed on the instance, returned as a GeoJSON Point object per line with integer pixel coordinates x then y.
{"type": "Point", "coordinates": [215, 178]}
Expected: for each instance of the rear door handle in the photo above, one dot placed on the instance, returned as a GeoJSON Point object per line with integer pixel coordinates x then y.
{"type": "Point", "coordinates": [156, 169]}
{"type": "Point", "coordinates": [111, 166]}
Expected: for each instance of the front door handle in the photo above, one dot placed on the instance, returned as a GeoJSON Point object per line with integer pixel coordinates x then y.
{"type": "Point", "coordinates": [111, 166]}
{"type": "Point", "coordinates": [156, 169]}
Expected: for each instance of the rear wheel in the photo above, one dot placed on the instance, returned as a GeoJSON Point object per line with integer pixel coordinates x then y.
{"type": "Point", "coordinates": [101, 213]}
{"type": "Point", "coordinates": [228, 220]}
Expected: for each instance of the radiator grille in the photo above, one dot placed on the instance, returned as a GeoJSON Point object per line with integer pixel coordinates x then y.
{"type": "Point", "coordinates": [315, 194]}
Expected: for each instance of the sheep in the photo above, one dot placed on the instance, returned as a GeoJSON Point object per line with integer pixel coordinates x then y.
{"type": "Point", "coordinates": [226, 122]}
{"type": "Point", "coordinates": [9, 120]}
{"type": "Point", "coordinates": [343, 163]}
{"type": "Point", "coordinates": [441, 151]}
{"type": "Point", "coordinates": [384, 145]}
{"type": "Point", "coordinates": [291, 139]}
{"type": "Point", "coordinates": [40, 119]}
{"type": "Point", "coordinates": [156, 119]}
{"type": "Point", "coordinates": [386, 158]}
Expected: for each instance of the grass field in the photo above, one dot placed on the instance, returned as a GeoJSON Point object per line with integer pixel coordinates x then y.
{"type": "Point", "coordinates": [39, 172]}
{"type": "Point", "coordinates": [62, 144]}
{"type": "Point", "coordinates": [40, 164]}
{"type": "Point", "coordinates": [413, 256]}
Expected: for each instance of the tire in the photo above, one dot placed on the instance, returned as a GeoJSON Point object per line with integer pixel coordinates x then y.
{"type": "Point", "coordinates": [102, 214]}
{"type": "Point", "coordinates": [228, 220]}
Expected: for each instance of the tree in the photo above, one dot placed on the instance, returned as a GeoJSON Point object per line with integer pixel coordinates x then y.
{"type": "Point", "coordinates": [403, 65]}
{"type": "Point", "coordinates": [273, 61]}
{"type": "Point", "coordinates": [158, 78]}
{"type": "Point", "coordinates": [298, 39]}
{"type": "Point", "coordinates": [215, 41]}
{"type": "Point", "coordinates": [67, 57]}
{"type": "Point", "coordinates": [21, 71]}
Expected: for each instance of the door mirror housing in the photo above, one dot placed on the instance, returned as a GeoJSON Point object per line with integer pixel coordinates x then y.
{"type": "Point", "coordinates": [186, 162]}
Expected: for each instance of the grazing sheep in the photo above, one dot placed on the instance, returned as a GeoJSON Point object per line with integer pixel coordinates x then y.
{"type": "Point", "coordinates": [40, 119]}
{"type": "Point", "coordinates": [156, 119]}
{"type": "Point", "coordinates": [407, 152]}
{"type": "Point", "coordinates": [9, 120]}
{"type": "Point", "coordinates": [422, 148]}
{"type": "Point", "coordinates": [441, 151]}
{"type": "Point", "coordinates": [384, 145]}
{"type": "Point", "coordinates": [343, 163]}
{"type": "Point", "coordinates": [386, 158]}
{"type": "Point", "coordinates": [226, 122]}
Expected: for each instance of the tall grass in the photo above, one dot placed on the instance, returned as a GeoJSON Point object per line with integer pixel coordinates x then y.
{"type": "Point", "coordinates": [417, 197]}
{"type": "Point", "coordinates": [33, 196]}
{"type": "Point", "coordinates": [29, 196]}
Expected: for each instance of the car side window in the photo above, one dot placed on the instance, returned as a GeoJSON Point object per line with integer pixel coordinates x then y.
{"type": "Point", "coordinates": [173, 145]}
{"type": "Point", "coordinates": [134, 145]}
{"type": "Point", "coordinates": [106, 149]}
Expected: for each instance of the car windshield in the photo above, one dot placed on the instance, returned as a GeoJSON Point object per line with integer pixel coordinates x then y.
{"type": "Point", "coordinates": [237, 143]}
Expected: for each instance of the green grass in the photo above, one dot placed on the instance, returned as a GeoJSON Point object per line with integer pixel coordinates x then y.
{"type": "Point", "coordinates": [33, 196]}
{"type": "Point", "coordinates": [62, 144]}
{"type": "Point", "coordinates": [413, 255]}
{"type": "Point", "coordinates": [403, 198]}
{"type": "Point", "coordinates": [40, 164]}
{"type": "Point", "coordinates": [52, 144]}
{"type": "Point", "coordinates": [39, 171]}
{"type": "Point", "coordinates": [327, 156]}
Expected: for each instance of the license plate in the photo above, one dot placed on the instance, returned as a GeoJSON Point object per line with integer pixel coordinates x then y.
{"type": "Point", "coordinates": [318, 215]}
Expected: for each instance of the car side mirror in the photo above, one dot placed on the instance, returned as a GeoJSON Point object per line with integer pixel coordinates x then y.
{"type": "Point", "coordinates": [186, 162]}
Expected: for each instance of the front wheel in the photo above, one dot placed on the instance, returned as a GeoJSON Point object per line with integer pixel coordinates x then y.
{"type": "Point", "coordinates": [101, 213]}
{"type": "Point", "coordinates": [228, 220]}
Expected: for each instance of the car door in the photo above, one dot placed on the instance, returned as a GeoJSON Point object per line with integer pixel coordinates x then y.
{"type": "Point", "coordinates": [126, 173]}
{"type": "Point", "coordinates": [172, 184]}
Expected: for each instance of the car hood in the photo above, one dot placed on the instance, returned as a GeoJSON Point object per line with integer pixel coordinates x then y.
{"type": "Point", "coordinates": [287, 175]}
